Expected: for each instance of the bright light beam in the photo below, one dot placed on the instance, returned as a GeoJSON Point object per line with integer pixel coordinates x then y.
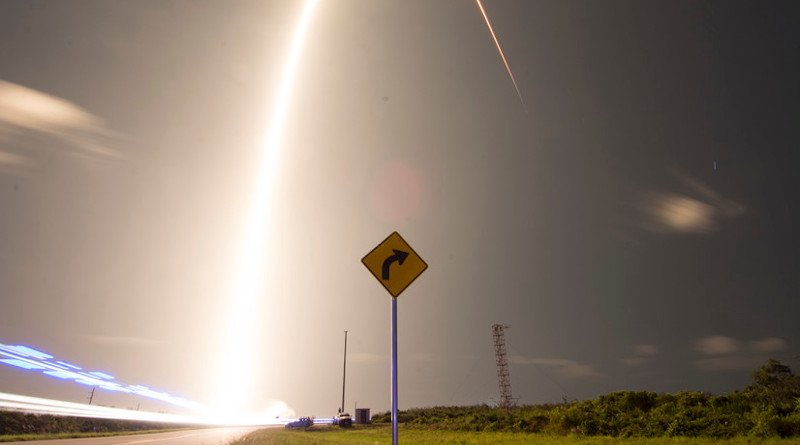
{"type": "Point", "coordinates": [235, 378]}
{"type": "Point", "coordinates": [502, 56]}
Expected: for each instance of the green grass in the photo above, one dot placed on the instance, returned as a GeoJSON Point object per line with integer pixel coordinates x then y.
{"type": "Point", "coordinates": [382, 434]}
{"type": "Point", "coordinates": [51, 436]}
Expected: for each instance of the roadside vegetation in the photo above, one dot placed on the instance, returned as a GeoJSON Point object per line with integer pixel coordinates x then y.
{"type": "Point", "coordinates": [382, 434]}
{"type": "Point", "coordinates": [15, 426]}
{"type": "Point", "coordinates": [768, 407]}
{"type": "Point", "coordinates": [766, 411]}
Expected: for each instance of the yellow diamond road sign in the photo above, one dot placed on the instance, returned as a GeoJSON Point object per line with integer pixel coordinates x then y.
{"type": "Point", "coordinates": [395, 264]}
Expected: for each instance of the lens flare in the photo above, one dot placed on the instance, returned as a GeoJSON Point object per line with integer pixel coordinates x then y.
{"type": "Point", "coordinates": [235, 375]}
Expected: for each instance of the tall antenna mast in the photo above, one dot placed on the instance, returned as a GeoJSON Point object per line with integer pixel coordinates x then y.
{"type": "Point", "coordinates": [344, 372]}
{"type": "Point", "coordinates": [506, 401]}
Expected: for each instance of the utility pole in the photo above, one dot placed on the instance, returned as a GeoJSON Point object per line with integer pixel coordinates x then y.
{"type": "Point", "coordinates": [344, 372]}
{"type": "Point", "coordinates": [91, 396]}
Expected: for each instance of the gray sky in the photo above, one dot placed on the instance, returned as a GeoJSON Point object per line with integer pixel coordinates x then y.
{"type": "Point", "coordinates": [595, 223]}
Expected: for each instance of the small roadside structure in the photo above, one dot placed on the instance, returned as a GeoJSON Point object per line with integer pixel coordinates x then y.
{"type": "Point", "coordinates": [362, 415]}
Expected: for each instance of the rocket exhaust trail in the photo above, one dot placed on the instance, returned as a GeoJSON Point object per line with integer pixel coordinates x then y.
{"type": "Point", "coordinates": [502, 56]}
{"type": "Point", "coordinates": [235, 375]}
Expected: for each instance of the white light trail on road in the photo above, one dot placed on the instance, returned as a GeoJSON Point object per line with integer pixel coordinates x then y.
{"type": "Point", "coordinates": [58, 407]}
{"type": "Point", "coordinates": [235, 376]}
{"type": "Point", "coordinates": [39, 405]}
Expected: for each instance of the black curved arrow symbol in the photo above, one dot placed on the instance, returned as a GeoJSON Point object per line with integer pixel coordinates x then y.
{"type": "Point", "coordinates": [398, 256]}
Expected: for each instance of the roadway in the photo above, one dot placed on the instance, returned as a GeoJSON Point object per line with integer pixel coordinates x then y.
{"type": "Point", "coordinates": [206, 436]}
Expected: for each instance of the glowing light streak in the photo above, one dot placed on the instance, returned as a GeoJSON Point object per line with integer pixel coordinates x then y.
{"type": "Point", "coordinates": [60, 374]}
{"type": "Point", "coordinates": [30, 352]}
{"type": "Point", "coordinates": [502, 56]}
{"type": "Point", "coordinates": [59, 407]}
{"type": "Point", "coordinates": [32, 360]}
{"type": "Point", "coordinates": [68, 365]}
{"type": "Point", "coordinates": [108, 386]}
{"type": "Point", "coordinates": [58, 366]}
{"type": "Point", "coordinates": [24, 364]}
{"type": "Point", "coordinates": [49, 406]}
{"type": "Point", "coordinates": [235, 377]}
{"type": "Point", "coordinates": [86, 382]}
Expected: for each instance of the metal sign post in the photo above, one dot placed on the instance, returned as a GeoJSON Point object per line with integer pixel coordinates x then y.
{"type": "Point", "coordinates": [394, 371]}
{"type": "Point", "coordinates": [380, 261]}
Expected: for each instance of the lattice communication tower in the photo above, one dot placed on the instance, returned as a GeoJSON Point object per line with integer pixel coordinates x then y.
{"type": "Point", "coordinates": [506, 401]}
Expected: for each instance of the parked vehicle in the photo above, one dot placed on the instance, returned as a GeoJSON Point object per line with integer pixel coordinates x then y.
{"type": "Point", "coordinates": [302, 422]}
{"type": "Point", "coordinates": [343, 420]}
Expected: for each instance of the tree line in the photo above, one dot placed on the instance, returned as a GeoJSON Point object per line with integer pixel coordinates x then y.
{"type": "Point", "coordinates": [768, 406]}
